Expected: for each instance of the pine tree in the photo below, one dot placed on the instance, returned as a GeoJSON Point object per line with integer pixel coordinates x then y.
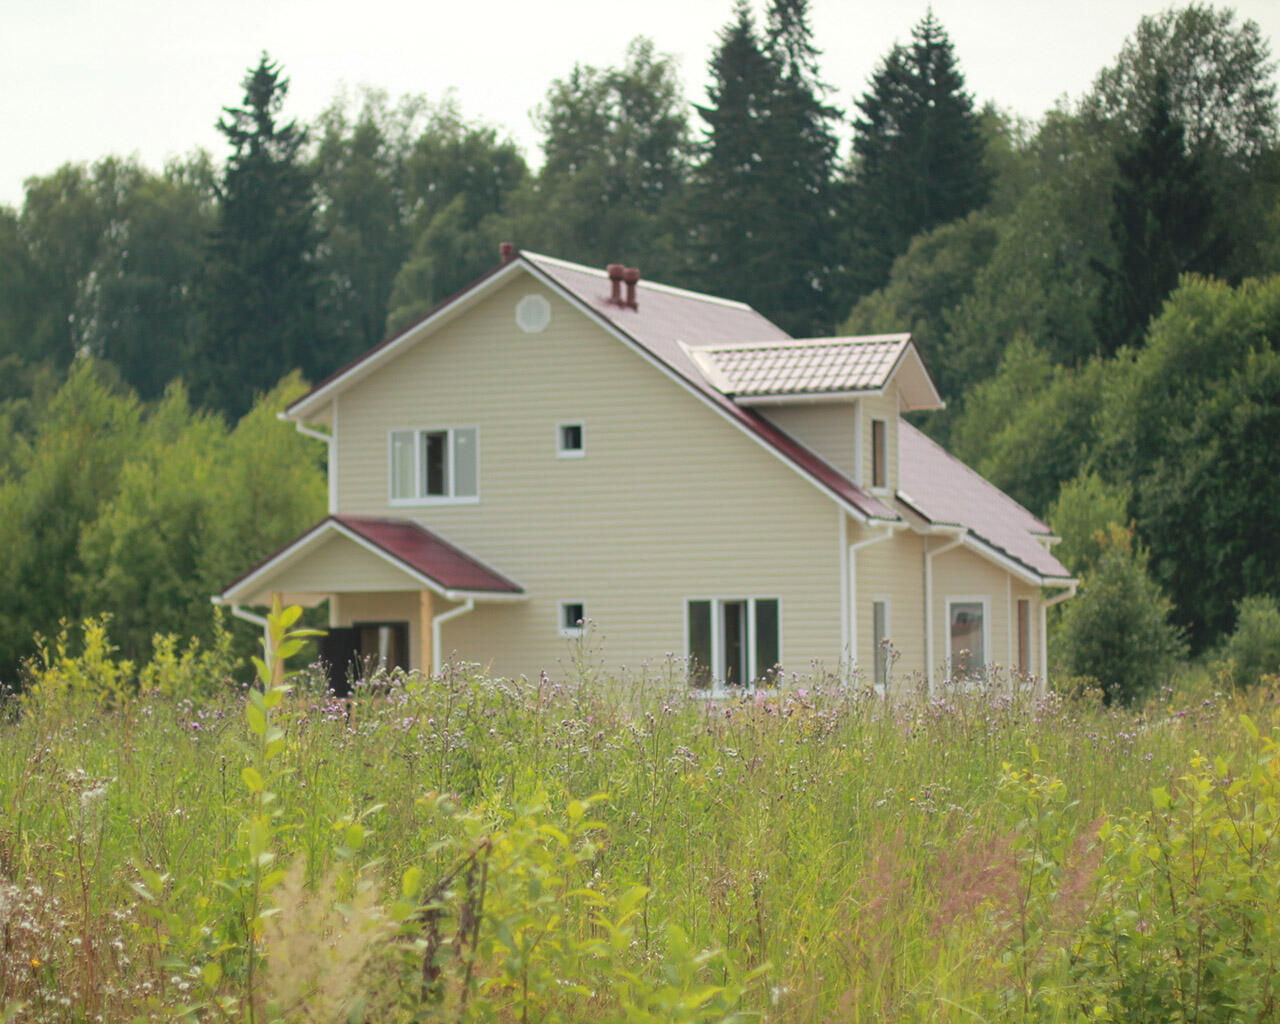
{"type": "Point", "coordinates": [918, 155]}
{"type": "Point", "coordinates": [1162, 224]}
{"type": "Point", "coordinates": [260, 303]}
{"type": "Point", "coordinates": [763, 215]}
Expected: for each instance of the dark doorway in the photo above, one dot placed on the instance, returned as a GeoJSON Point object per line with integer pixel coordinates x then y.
{"type": "Point", "coordinates": [356, 652]}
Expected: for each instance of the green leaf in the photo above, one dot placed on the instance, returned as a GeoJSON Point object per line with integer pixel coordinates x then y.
{"type": "Point", "coordinates": [273, 697]}
{"type": "Point", "coordinates": [411, 882]}
{"type": "Point", "coordinates": [1160, 797]}
{"type": "Point", "coordinates": [252, 779]}
{"type": "Point", "coordinates": [257, 720]}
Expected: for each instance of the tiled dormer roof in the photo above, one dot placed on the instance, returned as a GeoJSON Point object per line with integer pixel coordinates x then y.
{"type": "Point", "coordinates": [811, 366]}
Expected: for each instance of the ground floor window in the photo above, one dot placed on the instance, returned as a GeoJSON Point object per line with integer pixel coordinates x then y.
{"type": "Point", "coordinates": [967, 618]}
{"type": "Point", "coordinates": [734, 641]}
{"type": "Point", "coordinates": [1024, 636]}
{"type": "Point", "coordinates": [880, 641]}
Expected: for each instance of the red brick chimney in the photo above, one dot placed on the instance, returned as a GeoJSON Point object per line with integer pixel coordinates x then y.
{"type": "Point", "coordinates": [506, 252]}
{"type": "Point", "coordinates": [615, 272]}
{"type": "Point", "coordinates": [631, 275]}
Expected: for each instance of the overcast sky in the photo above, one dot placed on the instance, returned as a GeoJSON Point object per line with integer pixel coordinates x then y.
{"type": "Point", "coordinates": [83, 78]}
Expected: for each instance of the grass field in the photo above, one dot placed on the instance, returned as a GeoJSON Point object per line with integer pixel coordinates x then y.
{"type": "Point", "coordinates": [477, 849]}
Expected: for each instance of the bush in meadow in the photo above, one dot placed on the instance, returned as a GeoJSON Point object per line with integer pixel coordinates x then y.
{"type": "Point", "coordinates": [1253, 650]}
{"type": "Point", "coordinates": [1116, 631]}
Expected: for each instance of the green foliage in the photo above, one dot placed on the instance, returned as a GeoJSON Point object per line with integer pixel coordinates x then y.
{"type": "Point", "coordinates": [1083, 514]}
{"type": "Point", "coordinates": [1192, 421]}
{"type": "Point", "coordinates": [260, 295]}
{"type": "Point", "coordinates": [463, 185]}
{"type": "Point", "coordinates": [1116, 631]}
{"type": "Point", "coordinates": [766, 174]}
{"type": "Point", "coordinates": [1185, 927]}
{"type": "Point", "coordinates": [1032, 426]}
{"type": "Point", "coordinates": [143, 512]}
{"type": "Point", "coordinates": [58, 480]}
{"type": "Point", "coordinates": [926, 283]}
{"type": "Point", "coordinates": [918, 154]}
{"type": "Point", "coordinates": [616, 147]}
{"type": "Point", "coordinates": [1252, 652]}
{"type": "Point", "coordinates": [1162, 225]}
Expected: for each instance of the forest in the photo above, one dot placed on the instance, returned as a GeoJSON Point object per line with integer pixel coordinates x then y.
{"type": "Point", "coordinates": [1097, 293]}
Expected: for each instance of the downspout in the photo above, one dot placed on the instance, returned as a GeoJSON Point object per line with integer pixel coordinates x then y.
{"type": "Point", "coordinates": [853, 586]}
{"type": "Point", "coordinates": [1044, 631]}
{"type": "Point", "coordinates": [438, 621]}
{"type": "Point", "coordinates": [928, 606]}
{"type": "Point", "coordinates": [331, 470]}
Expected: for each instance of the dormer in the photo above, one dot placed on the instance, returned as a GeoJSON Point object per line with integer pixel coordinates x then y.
{"type": "Point", "coordinates": [840, 397]}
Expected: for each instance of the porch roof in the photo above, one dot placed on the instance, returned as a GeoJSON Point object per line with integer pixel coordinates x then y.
{"type": "Point", "coordinates": [425, 558]}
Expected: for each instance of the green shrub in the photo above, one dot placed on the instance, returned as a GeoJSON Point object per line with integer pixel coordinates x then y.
{"type": "Point", "coordinates": [1253, 650]}
{"type": "Point", "coordinates": [1185, 925]}
{"type": "Point", "coordinates": [1117, 629]}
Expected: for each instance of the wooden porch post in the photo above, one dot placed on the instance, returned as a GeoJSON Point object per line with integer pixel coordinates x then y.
{"type": "Point", "coordinates": [425, 615]}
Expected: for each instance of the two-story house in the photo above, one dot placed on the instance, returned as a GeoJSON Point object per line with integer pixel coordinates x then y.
{"type": "Point", "coordinates": [559, 445]}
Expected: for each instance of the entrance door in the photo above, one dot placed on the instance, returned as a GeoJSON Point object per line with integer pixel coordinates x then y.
{"type": "Point", "coordinates": [340, 655]}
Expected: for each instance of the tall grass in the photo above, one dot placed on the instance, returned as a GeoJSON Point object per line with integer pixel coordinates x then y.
{"type": "Point", "coordinates": [847, 859]}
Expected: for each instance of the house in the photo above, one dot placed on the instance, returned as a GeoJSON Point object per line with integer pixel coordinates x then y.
{"type": "Point", "coordinates": [559, 445]}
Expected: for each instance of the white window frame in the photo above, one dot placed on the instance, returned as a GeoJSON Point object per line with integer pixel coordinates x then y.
{"type": "Point", "coordinates": [420, 499]}
{"type": "Point", "coordinates": [717, 641]}
{"type": "Point", "coordinates": [888, 632]}
{"type": "Point", "coordinates": [983, 600]}
{"type": "Point", "coordinates": [571, 631]}
{"type": "Point", "coordinates": [571, 453]}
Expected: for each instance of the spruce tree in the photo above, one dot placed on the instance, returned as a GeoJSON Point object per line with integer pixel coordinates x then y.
{"type": "Point", "coordinates": [260, 302]}
{"type": "Point", "coordinates": [1162, 224]}
{"type": "Point", "coordinates": [919, 156]}
{"type": "Point", "coordinates": [763, 215]}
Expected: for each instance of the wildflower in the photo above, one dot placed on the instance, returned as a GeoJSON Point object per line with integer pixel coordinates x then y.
{"type": "Point", "coordinates": [35, 962]}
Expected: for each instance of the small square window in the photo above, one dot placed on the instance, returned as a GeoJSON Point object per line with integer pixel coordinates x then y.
{"type": "Point", "coordinates": [570, 441]}
{"type": "Point", "coordinates": [573, 618]}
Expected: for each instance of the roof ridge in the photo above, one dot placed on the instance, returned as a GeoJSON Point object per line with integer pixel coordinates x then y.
{"type": "Point", "coordinates": [835, 339]}
{"type": "Point", "coordinates": [974, 473]}
{"type": "Point", "coordinates": [669, 289]}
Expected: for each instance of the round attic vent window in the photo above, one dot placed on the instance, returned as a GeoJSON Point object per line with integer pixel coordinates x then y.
{"type": "Point", "coordinates": [533, 313]}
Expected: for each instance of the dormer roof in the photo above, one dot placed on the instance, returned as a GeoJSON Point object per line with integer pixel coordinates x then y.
{"type": "Point", "coordinates": [817, 369]}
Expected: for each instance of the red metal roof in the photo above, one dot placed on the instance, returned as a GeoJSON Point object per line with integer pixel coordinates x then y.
{"type": "Point", "coordinates": [413, 546]}
{"type": "Point", "coordinates": [430, 554]}
{"type": "Point", "coordinates": [944, 490]}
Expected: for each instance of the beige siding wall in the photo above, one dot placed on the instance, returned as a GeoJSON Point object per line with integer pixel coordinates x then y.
{"type": "Point", "coordinates": [670, 501]}
{"type": "Point", "coordinates": [337, 564]}
{"type": "Point", "coordinates": [960, 573]}
{"type": "Point", "coordinates": [827, 428]}
{"type": "Point", "coordinates": [879, 407]}
{"type": "Point", "coordinates": [891, 570]}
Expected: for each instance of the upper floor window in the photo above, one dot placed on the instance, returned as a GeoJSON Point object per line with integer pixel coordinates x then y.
{"type": "Point", "coordinates": [879, 453]}
{"type": "Point", "coordinates": [434, 465]}
{"type": "Point", "coordinates": [571, 441]}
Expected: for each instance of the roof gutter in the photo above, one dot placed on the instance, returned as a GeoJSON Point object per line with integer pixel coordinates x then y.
{"type": "Point", "coordinates": [436, 623]}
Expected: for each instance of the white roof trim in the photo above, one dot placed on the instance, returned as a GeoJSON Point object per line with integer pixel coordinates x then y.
{"type": "Point", "coordinates": [237, 592]}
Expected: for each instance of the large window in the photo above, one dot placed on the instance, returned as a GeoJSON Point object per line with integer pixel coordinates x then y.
{"type": "Point", "coordinates": [734, 641]}
{"type": "Point", "coordinates": [967, 622]}
{"type": "Point", "coordinates": [434, 465]}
